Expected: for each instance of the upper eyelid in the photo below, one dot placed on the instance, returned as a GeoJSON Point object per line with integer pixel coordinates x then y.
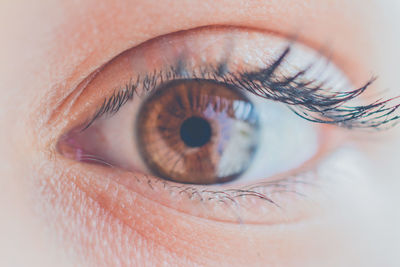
{"type": "Point", "coordinates": [77, 104]}
{"type": "Point", "coordinates": [368, 116]}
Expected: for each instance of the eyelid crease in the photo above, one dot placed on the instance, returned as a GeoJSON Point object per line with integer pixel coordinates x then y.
{"type": "Point", "coordinates": [68, 102]}
{"type": "Point", "coordinates": [306, 98]}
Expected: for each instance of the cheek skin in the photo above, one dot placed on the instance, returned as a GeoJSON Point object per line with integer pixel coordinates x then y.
{"type": "Point", "coordinates": [106, 224]}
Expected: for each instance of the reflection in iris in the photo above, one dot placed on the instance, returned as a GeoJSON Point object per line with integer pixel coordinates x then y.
{"type": "Point", "coordinates": [197, 131]}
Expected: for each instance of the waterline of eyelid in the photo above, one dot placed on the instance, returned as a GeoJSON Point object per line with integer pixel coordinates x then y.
{"type": "Point", "coordinates": [279, 197]}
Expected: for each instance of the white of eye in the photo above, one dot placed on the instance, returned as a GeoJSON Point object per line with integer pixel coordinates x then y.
{"type": "Point", "coordinates": [286, 141]}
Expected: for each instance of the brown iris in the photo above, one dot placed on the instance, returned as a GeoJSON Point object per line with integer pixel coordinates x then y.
{"type": "Point", "coordinates": [197, 131]}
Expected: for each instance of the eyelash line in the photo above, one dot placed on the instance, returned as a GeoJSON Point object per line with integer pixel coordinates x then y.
{"type": "Point", "coordinates": [307, 99]}
{"type": "Point", "coordinates": [231, 197]}
{"type": "Point", "coordinates": [262, 190]}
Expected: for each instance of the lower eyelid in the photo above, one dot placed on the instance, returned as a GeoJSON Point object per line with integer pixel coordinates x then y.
{"type": "Point", "coordinates": [284, 199]}
{"type": "Point", "coordinates": [117, 191]}
{"type": "Point", "coordinates": [124, 218]}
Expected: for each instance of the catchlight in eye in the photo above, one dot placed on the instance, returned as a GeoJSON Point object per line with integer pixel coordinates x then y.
{"type": "Point", "coordinates": [197, 131]}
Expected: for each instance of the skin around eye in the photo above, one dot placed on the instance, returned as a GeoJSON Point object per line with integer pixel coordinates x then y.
{"type": "Point", "coordinates": [48, 47]}
{"type": "Point", "coordinates": [263, 197]}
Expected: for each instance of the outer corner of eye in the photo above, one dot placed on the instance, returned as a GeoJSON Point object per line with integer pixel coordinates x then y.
{"type": "Point", "coordinates": [221, 123]}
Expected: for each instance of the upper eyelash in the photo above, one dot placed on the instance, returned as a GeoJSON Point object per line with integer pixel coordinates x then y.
{"type": "Point", "coordinates": [306, 98]}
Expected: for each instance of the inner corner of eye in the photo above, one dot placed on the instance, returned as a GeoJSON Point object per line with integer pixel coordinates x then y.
{"type": "Point", "coordinates": [196, 126]}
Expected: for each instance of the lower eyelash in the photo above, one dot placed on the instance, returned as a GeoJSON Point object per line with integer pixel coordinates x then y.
{"type": "Point", "coordinates": [268, 195]}
{"type": "Point", "coordinates": [306, 98]}
{"type": "Point", "coordinates": [234, 200]}
{"type": "Point", "coordinates": [228, 196]}
{"type": "Point", "coordinates": [204, 193]}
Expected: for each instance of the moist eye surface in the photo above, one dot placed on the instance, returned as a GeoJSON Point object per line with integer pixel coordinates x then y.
{"type": "Point", "coordinates": [197, 131]}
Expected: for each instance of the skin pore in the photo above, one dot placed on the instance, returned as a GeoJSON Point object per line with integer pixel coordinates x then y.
{"type": "Point", "coordinates": [57, 212]}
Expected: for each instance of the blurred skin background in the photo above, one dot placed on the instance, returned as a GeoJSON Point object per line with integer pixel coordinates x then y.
{"type": "Point", "coordinates": [53, 213]}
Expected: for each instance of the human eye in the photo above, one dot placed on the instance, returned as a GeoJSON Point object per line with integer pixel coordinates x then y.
{"type": "Point", "coordinates": [222, 123]}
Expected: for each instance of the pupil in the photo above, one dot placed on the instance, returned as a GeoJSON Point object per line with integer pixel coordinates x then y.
{"type": "Point", "coordinates": [195, 132]}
